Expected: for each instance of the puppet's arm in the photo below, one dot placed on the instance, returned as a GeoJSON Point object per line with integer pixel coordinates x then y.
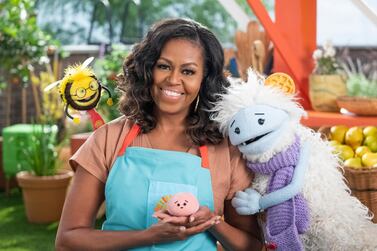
{"type": "Point", "coordinates": [293, 188]}
{"type": "Point", "coordinates": [75, 119]}
{"type": "Point", "coordinates": [251, 202]}
{"type": "Point", "coordinates": [109, 100]}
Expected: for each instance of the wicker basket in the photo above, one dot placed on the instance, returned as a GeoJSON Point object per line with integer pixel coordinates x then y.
{"type": "Point", "coordinates": [362, 182]}
{"type": "Point", "coordinates": [364, 179]}
{"type": "Point", "coordinates": [368, 198]}
{"type": "Point", "coordinates": [358, 105]}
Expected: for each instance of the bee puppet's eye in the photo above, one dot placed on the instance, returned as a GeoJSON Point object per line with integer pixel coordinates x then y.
{"type": "Point", "coordinates": [93, 85]}
{"type": "Point", "coordinates": [80, 92]}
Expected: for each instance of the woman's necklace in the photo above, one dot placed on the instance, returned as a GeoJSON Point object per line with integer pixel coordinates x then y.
{"type": "Point", "coordinates": [153, 145]}
{"type": "Point", "coordinates": [188, 148]}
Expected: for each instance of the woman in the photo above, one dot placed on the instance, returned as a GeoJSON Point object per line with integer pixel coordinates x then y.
{"type": "Point", "coordinates": [164, 144]}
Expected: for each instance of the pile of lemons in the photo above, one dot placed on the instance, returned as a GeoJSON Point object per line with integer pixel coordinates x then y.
{"type": "Point", "coordinates": [356, 146]}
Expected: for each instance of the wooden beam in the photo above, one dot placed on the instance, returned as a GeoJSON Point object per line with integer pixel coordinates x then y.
{"type": "Point", "coordinates": [294, 38]}
{"type": "Point", "coordinates": [366, 10]}
{"type": "Point", "coordinates": [237, 13]}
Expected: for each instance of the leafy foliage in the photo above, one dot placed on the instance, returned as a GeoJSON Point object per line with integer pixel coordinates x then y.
{"type": "Point", "coordinates": [107, 69]}
{"type": "Point", "coordinates": [137, 19]}
{"type": "Point", "coordinates": [359, 83]}
{"type": "Point", "coordinates": [41, 155]}
{"type": "Point", "coordinates": [22, 42]}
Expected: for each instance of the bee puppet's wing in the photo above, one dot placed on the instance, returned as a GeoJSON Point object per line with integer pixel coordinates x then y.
{"type": "Point", "coordinates": [87, 62]}
{"type": "Point", "coordinates": [52, 85]}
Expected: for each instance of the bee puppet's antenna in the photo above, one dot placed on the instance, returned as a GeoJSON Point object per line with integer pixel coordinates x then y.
{"type": "Point", "coordinates": [52, 85]}
{"type": "Point", "coordinates": [87, 62]}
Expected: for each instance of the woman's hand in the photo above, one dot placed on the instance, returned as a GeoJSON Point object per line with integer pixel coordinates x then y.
{"type": "Point", "coordinates": [166, 231]}
{"type": "Point", "coordinates": [196, 223]}
{"type": "Point", "coordinates": [201, 216]}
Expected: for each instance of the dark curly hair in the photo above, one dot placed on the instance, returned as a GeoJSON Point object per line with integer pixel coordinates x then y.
{"type": "Point", "coordinates": [136, 102]}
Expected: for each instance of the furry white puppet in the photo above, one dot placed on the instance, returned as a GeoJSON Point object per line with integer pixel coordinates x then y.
{"type": "Point", "coordinates": [298, 181]}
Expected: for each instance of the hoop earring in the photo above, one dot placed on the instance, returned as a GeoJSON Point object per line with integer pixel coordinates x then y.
{"type": "Point", "coordinates": [197, 104]}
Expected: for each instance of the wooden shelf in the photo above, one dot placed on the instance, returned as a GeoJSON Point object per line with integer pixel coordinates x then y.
{"type": "Point", "coordinates": [318, 119]}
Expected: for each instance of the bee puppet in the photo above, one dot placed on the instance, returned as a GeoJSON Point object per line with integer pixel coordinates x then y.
{"type": "Point", "coordinates": [81, 90]}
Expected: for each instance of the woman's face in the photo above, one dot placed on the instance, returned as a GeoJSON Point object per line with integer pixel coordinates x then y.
{"type": "Point", "coordinates": [177, 76]}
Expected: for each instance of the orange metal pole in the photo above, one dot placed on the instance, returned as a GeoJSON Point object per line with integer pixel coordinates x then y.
{"type": "Point", "coordinates": [294, 38]}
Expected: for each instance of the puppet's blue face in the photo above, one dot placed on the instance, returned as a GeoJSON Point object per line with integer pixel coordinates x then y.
{"type": "Point", "coordinates": [256, 129]}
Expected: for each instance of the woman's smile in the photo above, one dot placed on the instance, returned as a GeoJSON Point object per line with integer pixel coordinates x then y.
{"type": "Point", "coordinates": [171, 94]}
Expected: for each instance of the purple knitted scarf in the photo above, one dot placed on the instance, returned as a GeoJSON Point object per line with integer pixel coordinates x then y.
{"type": "Point", "coordinates": [290, 218]}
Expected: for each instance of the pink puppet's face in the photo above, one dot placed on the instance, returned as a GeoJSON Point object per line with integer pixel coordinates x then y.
{"type": "Point", "coordinates": [183, 204]}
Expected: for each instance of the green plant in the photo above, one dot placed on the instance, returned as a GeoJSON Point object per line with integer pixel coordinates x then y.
{"type": "Point", "coordinates": [358, 83]}
{"type": "Point", "coordinates": [107, 69]}
{"type": "Point", "coordinates": [325, 60]}
{"type": "Point", "coordinates": [41, 153]}
{"type": "Point", "coordinates": [22, 43]}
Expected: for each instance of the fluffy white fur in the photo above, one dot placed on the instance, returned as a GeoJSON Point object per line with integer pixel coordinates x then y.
{"type": "Point", "coordinates": [338, 221]}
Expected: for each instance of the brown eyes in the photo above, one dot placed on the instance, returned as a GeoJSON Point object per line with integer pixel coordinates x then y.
{"type": "Point", "coordinates": [163, 66]}
{"type": "Point", "coordinates": [187, 72]}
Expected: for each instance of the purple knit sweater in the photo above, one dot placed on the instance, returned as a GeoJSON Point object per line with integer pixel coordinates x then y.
{"type": "Point", "coordinates": [287, 220]}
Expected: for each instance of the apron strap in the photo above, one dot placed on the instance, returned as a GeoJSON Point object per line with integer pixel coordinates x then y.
{"type": "Point", "coordinates": [135, 129]}
{"type": "Point", "coordinates": [204, 154]}
{"type": "Point", "coordinates": [129, 138]}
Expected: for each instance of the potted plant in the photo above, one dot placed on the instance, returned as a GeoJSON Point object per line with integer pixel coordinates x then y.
{"type": "Point", "coordinates": [44, 187]}
{"type": "Point", "coordinates": [361, 85]}
{"type": "Point", "coordinates": [326, 82]}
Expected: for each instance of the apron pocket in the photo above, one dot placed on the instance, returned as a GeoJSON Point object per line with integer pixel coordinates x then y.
{"type": "Point", "coordinates": [158, 189]}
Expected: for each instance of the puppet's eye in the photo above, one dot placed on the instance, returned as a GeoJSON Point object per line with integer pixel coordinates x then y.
{"type": "Point", "coordinates": [80, 92]}
{"type": "Point", "coordinates": [93, 86]}
{"type": "Point", "coordinates": [261, 121]}
{"type": "Point", "coordinates": [237, 130]}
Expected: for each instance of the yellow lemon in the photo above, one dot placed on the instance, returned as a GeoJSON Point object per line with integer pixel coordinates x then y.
{"type": "Point", "coordinates": [354, 137]}
{"type": "Point", "coordinates": [361, 150]}
{"type": "Point", "coordinates": [373, 146]}
{"type": "Point", "coordinates": [345, 152]}
{"type": "Point", "coordinates": [333, 143]}
{"type": "Point", "coordinates": [369, 159]}
{"type": "Point", "coordinates": [353, 163]}
{"type": "Point", "coordinates": [371, 142]}
{"type": "Point", "coordinates": [338, 133]}
{"type": "Point", "coordinates": [370, 130]}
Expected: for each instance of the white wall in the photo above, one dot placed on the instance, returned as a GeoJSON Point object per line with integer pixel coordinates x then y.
{"type": "Point", "coordinates": [344, 24]}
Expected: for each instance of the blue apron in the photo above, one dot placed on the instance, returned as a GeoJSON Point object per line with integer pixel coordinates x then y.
{"type": "Point", "coordinates": [140, 177]}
